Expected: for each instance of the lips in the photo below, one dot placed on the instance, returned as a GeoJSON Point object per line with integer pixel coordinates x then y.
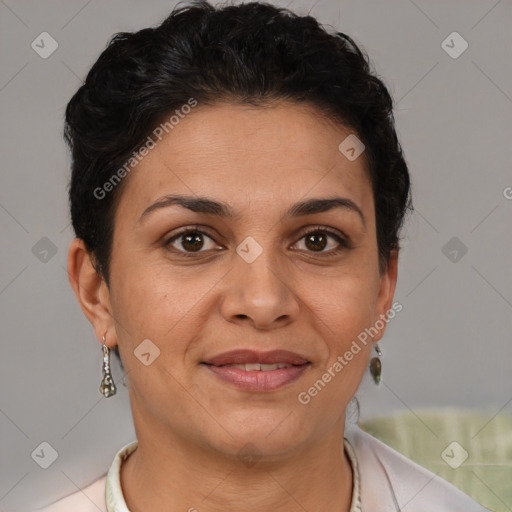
{"type": "Point", "coordinates": [257, 371]}
{"type": "Point", "coordinates": [251, 358]}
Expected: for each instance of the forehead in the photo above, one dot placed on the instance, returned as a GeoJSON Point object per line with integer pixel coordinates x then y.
{"type": "Point", "coordinates": [248, 156]}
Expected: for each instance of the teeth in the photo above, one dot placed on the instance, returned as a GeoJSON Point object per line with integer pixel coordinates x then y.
{"type": "Point", "coordinates": [259, 367]}
{"type": "Point", "coordinates": [267, 367]}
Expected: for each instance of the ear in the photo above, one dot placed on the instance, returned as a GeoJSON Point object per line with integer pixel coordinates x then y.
{"type": "Point", "coordinates": [386, 293]}
{"type": "Point", "coordinates": [91, 291]}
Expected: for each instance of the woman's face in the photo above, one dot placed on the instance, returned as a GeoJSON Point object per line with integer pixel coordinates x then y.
{"type": "Point", "coordinates": [248, 275]}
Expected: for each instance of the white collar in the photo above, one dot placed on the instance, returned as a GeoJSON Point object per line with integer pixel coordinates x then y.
{"type": "Point", "coordinates": [114, 494]}
{"type": "Point", "coordinates": [392, 482]}
{"type": "Point", "coordinates": [383, 480]}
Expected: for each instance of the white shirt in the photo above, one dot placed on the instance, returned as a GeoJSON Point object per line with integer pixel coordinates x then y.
{"type": "Point", "coordinates": [384, 481]}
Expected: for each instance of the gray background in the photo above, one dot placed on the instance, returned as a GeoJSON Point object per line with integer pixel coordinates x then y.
{"type": "Point", "coordinates": [450, 346]}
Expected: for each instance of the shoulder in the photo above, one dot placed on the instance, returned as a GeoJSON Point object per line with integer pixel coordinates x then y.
{"type": "Point", "coordinates": [389, 481]}
{"type": "Point", "coordinates": [94, 497]}
{"type": "Point", "coordinates": [89, 499]}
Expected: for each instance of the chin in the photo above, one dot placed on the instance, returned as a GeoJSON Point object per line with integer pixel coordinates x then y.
{"type": "Point", "coordinates": [275, 432]}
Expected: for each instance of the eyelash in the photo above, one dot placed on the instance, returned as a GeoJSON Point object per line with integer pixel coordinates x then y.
{"type": "Point", "coordinates": [343, 243]}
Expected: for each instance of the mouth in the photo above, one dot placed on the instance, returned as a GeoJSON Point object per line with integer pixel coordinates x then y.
{"type": "Point", "coordinates": [245, 356]}
{"type": "Point", "coordinates": [255, 367]}
{"type": "Point", "coordinates": [257, 371]}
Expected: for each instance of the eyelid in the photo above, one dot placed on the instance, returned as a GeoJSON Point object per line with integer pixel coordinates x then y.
{"type": "Point", "coordinates": [188, 229]}
{"type": "Point", "coordinates": [342, 239]}
{"type": "Point", "coordinates": [324, 229]}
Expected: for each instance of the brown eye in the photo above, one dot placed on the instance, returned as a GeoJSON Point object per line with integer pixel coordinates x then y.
{"type": "Point", "coordinates": [320, 239]}
{"type": "Point", "coordinates": [316, 241]}
{"type": "Point", "coordinates": [190, 241]}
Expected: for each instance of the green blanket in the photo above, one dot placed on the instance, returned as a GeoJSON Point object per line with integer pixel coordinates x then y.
{"type": "Point", "coordinates": [470, 449]}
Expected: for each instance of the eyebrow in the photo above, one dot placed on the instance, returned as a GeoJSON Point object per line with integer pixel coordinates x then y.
{"type": "Point", "coordinates": [221, 209]}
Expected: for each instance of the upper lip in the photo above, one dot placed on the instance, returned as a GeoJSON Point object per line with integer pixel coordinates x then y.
{"type": "Point", "coordinates": [244, 356]}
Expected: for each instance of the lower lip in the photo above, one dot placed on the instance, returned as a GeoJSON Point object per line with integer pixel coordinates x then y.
{"type": "Point", "coordinates": [258, 380]}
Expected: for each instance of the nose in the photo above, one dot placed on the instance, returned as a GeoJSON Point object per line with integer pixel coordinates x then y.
{"type": "Point", "coordinates": [259, 293]}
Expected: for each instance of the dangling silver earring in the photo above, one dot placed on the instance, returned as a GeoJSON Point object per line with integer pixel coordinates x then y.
{"type": "Point", "coordinates": [376, 365]}
{"type": "Point", "coordinates": [107, 386]}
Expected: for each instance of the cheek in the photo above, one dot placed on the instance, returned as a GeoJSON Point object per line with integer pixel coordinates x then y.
{"type": "Point", "coordinates": [161, 304]}
{"type": "Point", "coordinates": [342, 312]}
{"type": "Point", "coordinates": [348, 302]}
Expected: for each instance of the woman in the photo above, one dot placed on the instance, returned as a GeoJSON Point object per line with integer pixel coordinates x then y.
{"type": "Point", "coordinates": [237, 193]}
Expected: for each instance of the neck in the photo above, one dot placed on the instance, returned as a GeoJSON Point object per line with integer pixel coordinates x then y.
{"type": "Point", "coordinates": [178, 474]}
